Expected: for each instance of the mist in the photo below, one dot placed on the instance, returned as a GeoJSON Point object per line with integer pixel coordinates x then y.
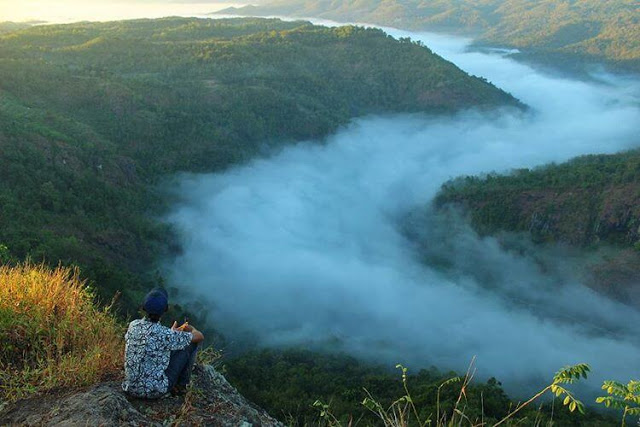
{"type": "Point", "coordinates": [335, 245]}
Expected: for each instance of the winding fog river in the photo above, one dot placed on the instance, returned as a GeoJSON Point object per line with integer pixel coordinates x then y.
{"type": "Point", "coordinates": [307, 247]}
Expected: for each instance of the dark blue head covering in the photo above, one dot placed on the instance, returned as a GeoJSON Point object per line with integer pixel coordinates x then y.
{"type": "Point", "coordinates": [156, 302]}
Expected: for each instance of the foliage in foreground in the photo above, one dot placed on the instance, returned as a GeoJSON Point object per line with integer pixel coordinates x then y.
{"type": "Point", "coordinates": [51, 332]}
{"type": "Point", "coordinates": [288, 383]}
{"type": "Point", "coordinates": [625, 397]}
{"type": "Point", "coordinates": [403, 412]}
{"type": "Point", "coordinates": [53, 335]}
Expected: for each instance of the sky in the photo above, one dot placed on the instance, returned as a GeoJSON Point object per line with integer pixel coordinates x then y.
{"type": "Point", "coordinates": [64, 11]}
{"type": "Point", "coordinates": [331, 245]}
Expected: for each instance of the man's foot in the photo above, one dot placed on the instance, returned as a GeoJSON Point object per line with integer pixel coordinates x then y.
{"type": "Point", "coordinates": [179, 390]}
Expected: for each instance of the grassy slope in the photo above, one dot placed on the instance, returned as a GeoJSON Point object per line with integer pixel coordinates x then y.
{"type": "Point", "coordinates": [94, 114]}
{"type": "Point", "coordinates": [51, 332]}
{"type": "Point", "coordinates": [554, 32]}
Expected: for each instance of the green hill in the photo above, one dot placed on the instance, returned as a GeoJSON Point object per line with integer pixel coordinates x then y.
{"type": "Point", "coordinates": [591, 202]}
{"type": "Point", "coordinates": [95, 115]}
{"type": "Point", "coordinates": [587, 200]}
{"type": "Point", "coordinates": [558, 33]}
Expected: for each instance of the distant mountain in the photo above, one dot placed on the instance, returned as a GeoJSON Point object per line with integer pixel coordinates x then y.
{"type": "Point", "coordinates": [94, 114]}
{"type": "Point", "coordinates": [8, 26]}
{"type": "Point", "coordinates": [557, 32]}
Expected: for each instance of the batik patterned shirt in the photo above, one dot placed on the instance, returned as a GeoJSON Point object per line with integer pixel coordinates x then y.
{"type": "Point", "coordinates": [148, 348]}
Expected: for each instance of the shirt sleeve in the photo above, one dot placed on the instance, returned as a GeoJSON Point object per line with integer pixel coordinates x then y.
{"type": "Point", "coordinates": [177, 340]}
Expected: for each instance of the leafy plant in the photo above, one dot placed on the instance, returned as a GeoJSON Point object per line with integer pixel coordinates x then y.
{"type": "Point", "coordinates": [566, 375]}
{"type": "Point", "coordinates": [209, 356]}
{"type": "Point", "coordinates": [402, 412]}
{"type": "Point", "coordinates": [326, 415]}
{"type": "Point", "coordinates": [622, 396]}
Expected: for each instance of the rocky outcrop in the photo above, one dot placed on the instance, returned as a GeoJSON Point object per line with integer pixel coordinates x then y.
{"type": "Point", "coordinates": [211, 401]}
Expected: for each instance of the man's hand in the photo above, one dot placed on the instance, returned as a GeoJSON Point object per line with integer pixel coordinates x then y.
{"type": "Point", "coordinates": [185, 327]}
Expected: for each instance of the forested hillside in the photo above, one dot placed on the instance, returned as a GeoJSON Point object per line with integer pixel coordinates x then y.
{"type": "Point", "coordinates": [589, 202]}
{"type": "Point", "coordinates": [559, 33]}
{"type": "Point", "coordinates": [95, 115]}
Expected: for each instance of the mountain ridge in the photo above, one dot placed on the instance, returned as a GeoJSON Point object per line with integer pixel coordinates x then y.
{"type": "Point", "coordinates": [555, 33]}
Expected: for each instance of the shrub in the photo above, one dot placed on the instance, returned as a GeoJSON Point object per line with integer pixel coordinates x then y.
{"type": "Point", "coordinates": [52, 334]}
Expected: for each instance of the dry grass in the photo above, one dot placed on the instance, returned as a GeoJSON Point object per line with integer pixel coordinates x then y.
{"type": "Point", "coordinates": [52, 334]}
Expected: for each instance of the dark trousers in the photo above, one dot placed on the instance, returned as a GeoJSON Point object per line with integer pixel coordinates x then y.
{"type": "Point", "coordinates": [179, 370]}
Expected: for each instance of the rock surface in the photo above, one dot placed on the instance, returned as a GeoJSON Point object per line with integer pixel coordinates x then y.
{"type": "Point", "coordinates": [211, 401]}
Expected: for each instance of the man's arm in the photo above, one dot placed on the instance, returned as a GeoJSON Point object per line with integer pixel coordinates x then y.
{"type": "Point", "coordinates": [197, 336]}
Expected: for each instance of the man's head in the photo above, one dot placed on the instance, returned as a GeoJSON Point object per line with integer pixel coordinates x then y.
{"type": "Point", "coordinates": [156, 302]}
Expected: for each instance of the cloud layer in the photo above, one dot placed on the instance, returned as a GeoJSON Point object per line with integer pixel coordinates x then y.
{"type": "Point", "coordinates": [309, 246]}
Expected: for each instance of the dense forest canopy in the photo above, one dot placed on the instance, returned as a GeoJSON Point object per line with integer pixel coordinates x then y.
{"type": "Point", "coordinates": [95, 114]}
{"type": "Point", "coordinates": [551, 31]}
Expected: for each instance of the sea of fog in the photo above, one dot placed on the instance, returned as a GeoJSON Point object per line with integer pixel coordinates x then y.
{"type": "Point", "coordinates": [310, 246]}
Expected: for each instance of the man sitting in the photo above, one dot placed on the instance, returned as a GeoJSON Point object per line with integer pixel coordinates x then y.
{"type": "Point", "coordinates": [158, 359]}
